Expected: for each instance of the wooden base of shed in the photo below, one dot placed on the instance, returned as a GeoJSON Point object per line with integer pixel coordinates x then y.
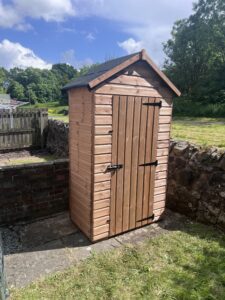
{"type": "Point", "coordinates": [119, 145]}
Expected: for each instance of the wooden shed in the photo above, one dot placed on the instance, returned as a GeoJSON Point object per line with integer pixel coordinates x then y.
{"type": "Point", "coordinates": [120, 117]}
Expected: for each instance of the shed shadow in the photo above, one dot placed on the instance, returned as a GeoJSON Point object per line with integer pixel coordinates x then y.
{"type": "Point", "coordinates": [50, 233]}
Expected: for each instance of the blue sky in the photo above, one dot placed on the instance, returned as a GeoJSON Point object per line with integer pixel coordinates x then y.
{"type": "Point", "coordinates": [40, 33]}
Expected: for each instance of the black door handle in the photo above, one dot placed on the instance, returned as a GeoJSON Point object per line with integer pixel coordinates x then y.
{"type": "Point", "coordinates": [112, 168]}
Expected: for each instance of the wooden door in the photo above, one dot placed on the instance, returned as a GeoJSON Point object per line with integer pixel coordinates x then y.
{"type": "Point", "coordinates": [134, 149]}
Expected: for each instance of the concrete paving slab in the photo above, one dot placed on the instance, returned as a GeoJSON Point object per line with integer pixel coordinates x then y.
{"type": "Point", "coordinates": [34, 250]}
{"type": "Point", "coordinates": [23, 268]}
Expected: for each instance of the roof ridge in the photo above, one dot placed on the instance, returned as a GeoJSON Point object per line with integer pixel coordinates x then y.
{"type": "Point", "coordinates": [109, 68]}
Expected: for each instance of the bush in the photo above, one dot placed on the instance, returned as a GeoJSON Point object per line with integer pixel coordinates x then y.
{"type": "Point", "coordinates": [189, 108]}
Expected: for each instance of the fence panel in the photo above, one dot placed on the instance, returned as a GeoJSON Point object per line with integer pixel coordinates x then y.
{"type": "Point", "coordinates": [22, 128]}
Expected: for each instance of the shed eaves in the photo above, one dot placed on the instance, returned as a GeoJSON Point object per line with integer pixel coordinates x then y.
{"type": "Point", "coordinates": [97, 71]}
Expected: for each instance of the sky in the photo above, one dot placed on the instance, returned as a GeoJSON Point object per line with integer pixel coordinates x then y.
{"type": "Point", "coordinates": [39, 33]}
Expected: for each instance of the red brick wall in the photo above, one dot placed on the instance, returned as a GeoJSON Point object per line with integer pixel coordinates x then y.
{"type": "Point", "coordinates": [34, 190]}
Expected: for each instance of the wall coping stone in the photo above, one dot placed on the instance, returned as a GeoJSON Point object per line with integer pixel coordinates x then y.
{"type": "Point", "coordinates": [34, 165]}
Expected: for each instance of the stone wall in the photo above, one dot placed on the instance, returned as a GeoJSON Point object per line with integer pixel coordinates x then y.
{"type": "Point", "coordinates": [57, 138]}
{"type": "Point", "coordinates": [196, 183]}
{"type": "Point", "coordinates": [34, 190]}
{"type": "Point", "coordinates": [2, 275]}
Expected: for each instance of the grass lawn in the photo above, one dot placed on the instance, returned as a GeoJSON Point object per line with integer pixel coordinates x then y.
{"type": "Point", "coordinates": [55, 110]}
{"type": "Point", "coordinates": [187, 265]}
{"type": "Point", "coordinates": [59, 117]}
{"type": "Point", "coordinates": [202, 131]}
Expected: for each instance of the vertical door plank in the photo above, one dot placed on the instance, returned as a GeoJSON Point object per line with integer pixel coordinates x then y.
{"type": "Point", "coordinates": [148, 158]}
{"type": "Point", "coordinates": [134, 164]}
{"type": "Point", "coordinates": [127, 162]}
{"type": "Point", "coordinates": [115, 104]}
{"type": "Point", "coordinates": [141, 160]}
{"type": "Point", "coordinates": [154, 157]}
{"type": "Point", "coordinates": [120, 172]}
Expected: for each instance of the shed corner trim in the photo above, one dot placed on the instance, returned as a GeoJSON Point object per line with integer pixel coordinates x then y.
{"type": "Point", "coordinates": [146, 58]}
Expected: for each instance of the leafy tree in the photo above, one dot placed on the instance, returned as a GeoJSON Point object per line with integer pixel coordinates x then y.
{"type": "Point", "coordinates": [64, 72]}
{"type": "Point", "coordinates": [31, 93]}
{"type": "Point", "coordinates": [35, 85]}
{"type": "Point", "coordinates": [16, 90]}
{"type": "Point", "coordinates": [196, 52]}
{"type": "Point", "coordinates": [3, 79]}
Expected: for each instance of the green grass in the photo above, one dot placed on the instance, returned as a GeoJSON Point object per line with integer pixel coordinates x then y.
{"type": "Point", "coordinates": [187, 265]}
{"type": "Point", "coordinates": [55, 110]}
{"type": "Point", "coordinates": [203, 131]}
{"type": "Point", "coordinates": [206, 132]}
{"type": "Point", "coordinates": [59, 117]}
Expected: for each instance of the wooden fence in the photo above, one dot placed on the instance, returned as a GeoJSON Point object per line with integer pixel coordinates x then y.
{"type": "Point", "coordinates": [22, 128]}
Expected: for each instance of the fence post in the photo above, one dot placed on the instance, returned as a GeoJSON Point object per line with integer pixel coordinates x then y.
{"type": "Point", "coordinates": [43, 124]}
{"type": "Point", "coordinates": [11, 118]}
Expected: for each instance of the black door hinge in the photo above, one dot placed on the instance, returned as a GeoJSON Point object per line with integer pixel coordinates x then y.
{"type": "Point", "coordinates": [159, 104]}
{"type": "Point", "coordinates": [152, 217]}
{"type": "Point", "coordinates": [155, 163]}
{"type": "Point", "coordinates": [112, 168]}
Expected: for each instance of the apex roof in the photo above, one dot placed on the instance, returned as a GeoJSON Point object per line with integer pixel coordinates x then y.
{"type": "Point", "coordinates": [102, 72]}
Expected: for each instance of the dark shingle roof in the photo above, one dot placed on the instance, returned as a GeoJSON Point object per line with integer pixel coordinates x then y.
{"type": "Point", "coordinates": [97, 71]}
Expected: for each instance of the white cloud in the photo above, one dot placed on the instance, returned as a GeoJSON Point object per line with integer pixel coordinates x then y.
{"type": "Point", "coordinates": [90, 37]}
{"type": "Point", "coordinates": [49, 10]}
{"type": "Point", "coordinates": [15, 55]}
{"type": "Point", "coordinates": [69, 57]}
{"type": "Point", "coordinates": [14, 15]}
{"type": "Point", "coordinates": [144, 20]}
{"type": "Point", "coordinates": [131, 46]}
{"type": "Point", "coordinates": [8, 16]}
{"type": "Point", "coordinates": [24, 27]}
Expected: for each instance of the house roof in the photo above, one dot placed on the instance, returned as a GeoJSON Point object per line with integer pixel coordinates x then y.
{"type": "Point", "coordinates": [5, 98]}
{"type": "Point", "coordinates": [102, 72]}
{"type": "Point", "coordinates": [6, 102]}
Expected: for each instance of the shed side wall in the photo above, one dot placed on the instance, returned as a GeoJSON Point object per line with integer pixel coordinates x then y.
{"type": "Point", "coordinates": [80, 154]}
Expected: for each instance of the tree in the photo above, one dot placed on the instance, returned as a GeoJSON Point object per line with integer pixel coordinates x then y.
{"type": "Point", "coordinates": [3, 79]}
{"type": "Point", "coordinates": [16, 90]}
{"type": "Point", "coordinates": [36, 85]}
{"type": "Point", "coordinates": [196, 52]}
{"type": "Point", "coordinates": [31, 93]}
{"type": "Point", "coordinates": [64, 72]}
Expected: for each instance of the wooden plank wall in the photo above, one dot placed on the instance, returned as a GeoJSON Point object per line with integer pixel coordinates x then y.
{"type": "Point", "coordinates": [22, 128]}
{"type": "Point", "coordinates": [80, 153]}
{"type": "Point", "coordinates": [137, 80]}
